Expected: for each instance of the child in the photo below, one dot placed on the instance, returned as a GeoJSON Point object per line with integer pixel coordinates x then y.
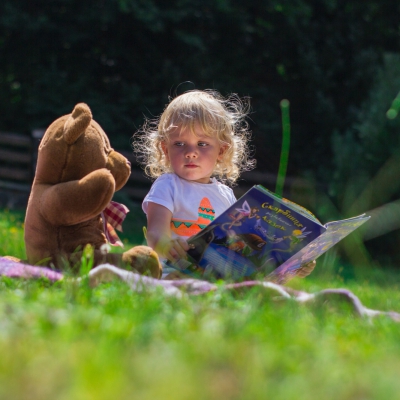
{"type": "Point", "coordinates": [199, 137]}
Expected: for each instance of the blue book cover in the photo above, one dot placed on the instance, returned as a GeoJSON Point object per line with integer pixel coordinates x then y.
{"type": "Point", "coordinates": [262, 234]}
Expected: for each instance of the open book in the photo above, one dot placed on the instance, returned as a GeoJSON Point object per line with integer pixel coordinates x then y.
{"type": "Point", "coordinates": [262, 234]}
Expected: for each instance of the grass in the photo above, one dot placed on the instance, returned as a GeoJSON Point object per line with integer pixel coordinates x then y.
{"type": "Point", "coordinates": [67, 341]}
{"type": "Point", "coordinates": [12, 234]}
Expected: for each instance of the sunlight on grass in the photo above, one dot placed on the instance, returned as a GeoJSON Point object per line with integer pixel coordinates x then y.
{"type": "Point", "coordinates": [68, 341]}
{"type": "Point", "coordinates": [63, 343]}
{"type": "Point", "coordinates": [12, 234]}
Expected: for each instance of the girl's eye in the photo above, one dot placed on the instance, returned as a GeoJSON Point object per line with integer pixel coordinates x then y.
{"type": "Point", "coordinates": [179, 144]}
{"type": "Point", "coordinates": [202, 144]}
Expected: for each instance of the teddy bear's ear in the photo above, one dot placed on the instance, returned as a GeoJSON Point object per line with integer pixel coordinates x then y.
{"type": "Point", "coordinates": [77, 123]}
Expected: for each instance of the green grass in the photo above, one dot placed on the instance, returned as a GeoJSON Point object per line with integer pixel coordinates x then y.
{"type": "Point", "coordinates": [12, 234]}
{"type": "Point", "coordinates": [67, 341]}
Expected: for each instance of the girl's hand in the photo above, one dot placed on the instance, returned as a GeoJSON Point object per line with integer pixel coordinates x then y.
{"type": "Point", "coordinates": [306, 269]}
{"type": "Point", "coordinates": [159, 234]}
{"type": "Point", "coordinates": [173, 249]}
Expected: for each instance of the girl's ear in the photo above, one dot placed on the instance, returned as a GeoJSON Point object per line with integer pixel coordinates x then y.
{"type": "Point", "coordinates": [165, 150]}
{"type": "Point", "coordinates": [222, 151]}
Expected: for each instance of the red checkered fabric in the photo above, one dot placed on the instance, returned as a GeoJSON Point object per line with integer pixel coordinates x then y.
{"type": "Point", "coordinates": [113, 216]}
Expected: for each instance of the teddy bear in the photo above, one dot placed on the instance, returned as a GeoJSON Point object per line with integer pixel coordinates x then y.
{"type": "Point", "coordinates": [77, 173]}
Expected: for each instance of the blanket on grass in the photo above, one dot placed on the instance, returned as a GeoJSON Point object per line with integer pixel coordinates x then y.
{"type": "Point", "coordinates": [106, 273]}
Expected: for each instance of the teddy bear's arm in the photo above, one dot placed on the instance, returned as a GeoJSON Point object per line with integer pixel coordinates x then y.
{"type": "Point", "coordinates": [72, 202]}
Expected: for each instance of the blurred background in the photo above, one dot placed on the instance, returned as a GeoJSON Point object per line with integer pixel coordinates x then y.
{"type": "Point", "coordinates": [336, 62]}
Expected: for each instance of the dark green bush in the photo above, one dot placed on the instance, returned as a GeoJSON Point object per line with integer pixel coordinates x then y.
{"type": "Point", "coordinates": [126, 57]}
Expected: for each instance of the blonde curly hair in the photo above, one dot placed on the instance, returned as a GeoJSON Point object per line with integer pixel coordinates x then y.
{"type": "Point", "coordinates": [217, 116]}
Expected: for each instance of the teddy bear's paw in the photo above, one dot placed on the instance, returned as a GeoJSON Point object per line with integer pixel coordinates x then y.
{"type": "Point", "coordinates": [144, 260]}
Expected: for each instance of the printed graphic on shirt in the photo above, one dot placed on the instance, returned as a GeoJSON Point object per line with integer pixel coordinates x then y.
{"type": "Point", "coordinates": [206, 214]}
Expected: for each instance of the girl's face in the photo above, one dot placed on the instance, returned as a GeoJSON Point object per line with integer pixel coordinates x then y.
{"type": "Point", "coordinates": [193, 156]}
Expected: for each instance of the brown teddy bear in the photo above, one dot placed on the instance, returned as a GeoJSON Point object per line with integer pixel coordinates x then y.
{"type": "Point", "coordinates": [76, 176]}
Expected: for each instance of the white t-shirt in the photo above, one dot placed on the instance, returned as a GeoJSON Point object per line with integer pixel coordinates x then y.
{"type": "Point", "coordinates": [193, 205]}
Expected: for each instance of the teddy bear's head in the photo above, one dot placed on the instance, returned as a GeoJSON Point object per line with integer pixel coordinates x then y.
{"type": "Point", "coordinates": [75, 145]}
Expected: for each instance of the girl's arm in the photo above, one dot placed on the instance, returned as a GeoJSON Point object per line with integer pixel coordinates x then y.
{"type": "Point", "coordinates": [159, 233]}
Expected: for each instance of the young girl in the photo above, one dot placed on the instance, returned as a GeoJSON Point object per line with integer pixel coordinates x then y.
{"type": "Point", "coordinates": [199, 143]}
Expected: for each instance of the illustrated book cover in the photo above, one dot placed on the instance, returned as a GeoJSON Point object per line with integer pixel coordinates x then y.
{"type": "Point", "coordinates": [262, 234]}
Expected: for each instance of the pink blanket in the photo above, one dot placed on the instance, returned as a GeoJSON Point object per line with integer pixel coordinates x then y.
{"type": "Point", "coordinates": [179, 288]}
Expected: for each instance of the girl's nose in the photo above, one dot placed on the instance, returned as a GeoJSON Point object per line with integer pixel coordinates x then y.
{"type": "Point", "coordinates": [191, 152]}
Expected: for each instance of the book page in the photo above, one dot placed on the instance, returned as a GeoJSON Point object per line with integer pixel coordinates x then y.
{"type": "Point", "coordinates": [335, 232]}
{"type": "Point", "coordinates": [251, 237]}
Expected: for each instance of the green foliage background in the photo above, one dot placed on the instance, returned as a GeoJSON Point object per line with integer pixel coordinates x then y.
{"type": "Point", "coordinates": [126, 57]}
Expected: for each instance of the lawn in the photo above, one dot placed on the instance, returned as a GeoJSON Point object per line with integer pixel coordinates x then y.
{"type": "Point", "coordinates": [68, 341]}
